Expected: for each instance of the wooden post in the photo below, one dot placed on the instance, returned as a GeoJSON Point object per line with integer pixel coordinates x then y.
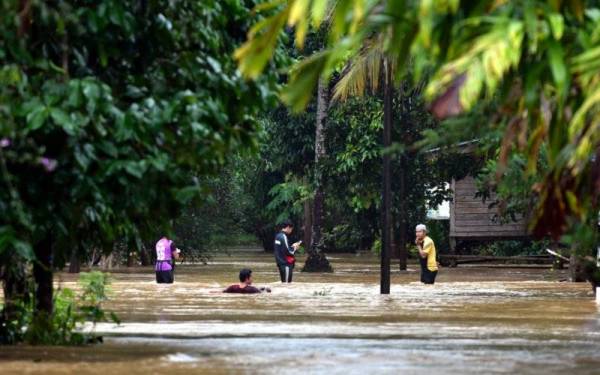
{"type": "Point", "coordinates": [403, 253]}
{"type": "Point", "coordinates": [387, 190]}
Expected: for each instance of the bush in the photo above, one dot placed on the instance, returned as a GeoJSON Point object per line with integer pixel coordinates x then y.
{"type": "Point", "coordinates": [511, 248]}
{"type": "Point", "coordinates": [342, 238]}
{"type": "Point", "coordinates": [70, 312]}
{"type": "Point", "coordinates": [376, 248]}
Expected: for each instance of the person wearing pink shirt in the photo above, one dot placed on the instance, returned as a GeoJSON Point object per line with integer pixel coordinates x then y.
{"type": "Point", "coordinates": [166, 252]}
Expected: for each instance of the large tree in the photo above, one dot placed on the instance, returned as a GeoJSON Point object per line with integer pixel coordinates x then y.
{"type": "Point", "coordinates": [109, 111]}
{"type": "Point", "coordinates": [316, 260]}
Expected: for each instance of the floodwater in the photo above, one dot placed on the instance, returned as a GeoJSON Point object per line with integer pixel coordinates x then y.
{"type": "Point", "coordinates": [475, 320]}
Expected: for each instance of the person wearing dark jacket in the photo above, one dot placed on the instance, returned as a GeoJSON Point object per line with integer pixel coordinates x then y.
{"type": "Point", "coordinates": [285, 253]}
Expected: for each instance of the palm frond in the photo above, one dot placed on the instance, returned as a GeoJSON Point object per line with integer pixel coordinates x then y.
{"type": "Point", "coordinates": [362, 72]}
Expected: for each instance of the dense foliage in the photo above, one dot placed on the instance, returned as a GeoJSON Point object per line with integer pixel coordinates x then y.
{"type": "Point", "coordinates": [538, 60]}
{"type": "Point", "coordinates": [72, 311]}
{"type": "Point", "coordinates": [352, 169]}
{"type": "Point", "coordinates": [121, 121]}
{"type": "Point", "coordinates": [110, 114]}
{"type": "Point", "coordinates": [230, 215]}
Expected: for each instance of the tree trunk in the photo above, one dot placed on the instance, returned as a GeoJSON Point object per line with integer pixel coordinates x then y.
{"type": "Point", "coordinates": [42, 275]}
{"type": "Point", "coordinates": [75, 263]}
{"type": "Point", "coordinates": [130, 258]}
{"type": "Point", "coordinates": [24, 18]}
{"type": "Point", "coordinates": [106, 262]}
{"type": "Point", "coordinates": [387, 189]}
{"type": "Point", "coordinates": [145, 256]}
{"type": "Point", "coordinates": [307, 223]}
{"type": "Point", "coordinates": [316, 260]}
{"type": "Point", "coordinates": [395, 252]}
{"type": "Point", "coordinates": [266, 235]}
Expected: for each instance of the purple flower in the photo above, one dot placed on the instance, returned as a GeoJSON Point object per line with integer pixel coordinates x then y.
{"type": "Point", "coordinates": [4, 142]}
{"type": "Point", "coordinates": [48, 164]}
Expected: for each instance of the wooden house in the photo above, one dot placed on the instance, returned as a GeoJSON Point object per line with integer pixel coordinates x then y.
{"type": "Point", "coordinates": [471, 219]}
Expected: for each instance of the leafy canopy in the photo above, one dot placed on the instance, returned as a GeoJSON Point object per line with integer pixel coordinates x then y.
{"type": "Point", "coordinates": [538, 59]}
{"type": "Point", "coordinates": [108, 111]}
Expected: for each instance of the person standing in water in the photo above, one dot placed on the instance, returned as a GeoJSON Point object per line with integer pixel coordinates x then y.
{"type": "Point", "coordinates": [284, 253]}
{"type": "Point", "coordinates": [166, 252]}
{"type": "Point", "coordinates": [245, 285]}
{"type": "Point", "coordinates": [427, 255]}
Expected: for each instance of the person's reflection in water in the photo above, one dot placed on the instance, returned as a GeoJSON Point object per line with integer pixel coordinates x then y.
{"type": "Point", "coordinates": [245, 285]}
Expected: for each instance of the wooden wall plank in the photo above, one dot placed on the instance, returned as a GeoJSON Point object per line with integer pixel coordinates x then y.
{"type": "Point", "coordinates": [490, 236]}
{"type": "Point", "coordinates": [489, 230]}
{"type": "Point", "coordinates": [466, 223]}
{"type": "Point", "coordinates": [470, 217]}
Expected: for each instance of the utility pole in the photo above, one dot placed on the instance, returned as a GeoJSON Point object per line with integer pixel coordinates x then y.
{"type": "Point", "coordinates": [387, 188]}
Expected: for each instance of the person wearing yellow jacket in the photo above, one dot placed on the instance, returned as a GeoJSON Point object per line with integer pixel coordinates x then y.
{"type": "Point", "coordinates": [427, 255]}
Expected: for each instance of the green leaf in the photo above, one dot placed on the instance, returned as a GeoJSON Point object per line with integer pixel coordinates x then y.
{"type": "Point", "coordinates": [24, 250]}
{"type": "Point", "coordinates": [91, 90]}
{"type": "Point", "coordinates": [318, 9]}
{"type": "Point", "coordinates": [81, 158]}
{"type": "Point", "coordinates": [188, 193]}
{"type": "Point", "coordinates": [558, 67]}
{"type": "Point", "coordinates": [557, 25]}
{"type": "Point", "coordinates": [108, 148]}
{"type": "Point", "coordinates": [303, 81]}
{"type": "Point", "coordinates": [37, 118]}
{"type": "Point", "coordinates": [254, 54]}
{"type": "Point", "coordinates": [62, 119]}
{"type": "Point", "coordinates": [135, 168]}
{"type": "Point", "coordinates": [10, 242]}
{"type": "Point", "coordinates": [74, 98]}
{"type": "Point", "coordinates": [531, 25]}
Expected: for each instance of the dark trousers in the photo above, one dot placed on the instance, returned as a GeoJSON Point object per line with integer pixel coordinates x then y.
{"type": "Point", "coordinates": [285, 272]}
{"type": "Point", "coordinates": [164, 277]}
{"type": "Point", "coordinates": [427, 276]}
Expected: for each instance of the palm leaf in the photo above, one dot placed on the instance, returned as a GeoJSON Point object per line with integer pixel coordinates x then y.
{"type": "Point", "coordinates": [362, 72]}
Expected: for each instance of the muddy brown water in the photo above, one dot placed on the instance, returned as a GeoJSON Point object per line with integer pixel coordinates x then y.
{"type": "Point", "coordinates": [483, 320]}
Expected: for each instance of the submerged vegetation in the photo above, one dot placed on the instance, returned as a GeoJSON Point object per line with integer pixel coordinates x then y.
{"type": "Point", "coordinates": [72, 309]}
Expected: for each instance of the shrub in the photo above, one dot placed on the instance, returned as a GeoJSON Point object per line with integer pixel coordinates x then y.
{"type": "Point", "coordinates": [71, 311]}
{"type": "Point", "coordinates": [342, 238]}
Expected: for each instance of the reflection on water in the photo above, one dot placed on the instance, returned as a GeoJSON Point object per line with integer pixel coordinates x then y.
{"type": "Point", "coordinates": [475, 320]}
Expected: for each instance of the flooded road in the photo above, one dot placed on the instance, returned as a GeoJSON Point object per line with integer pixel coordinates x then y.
{"type": "Point", "coordinates": [474, 320]}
